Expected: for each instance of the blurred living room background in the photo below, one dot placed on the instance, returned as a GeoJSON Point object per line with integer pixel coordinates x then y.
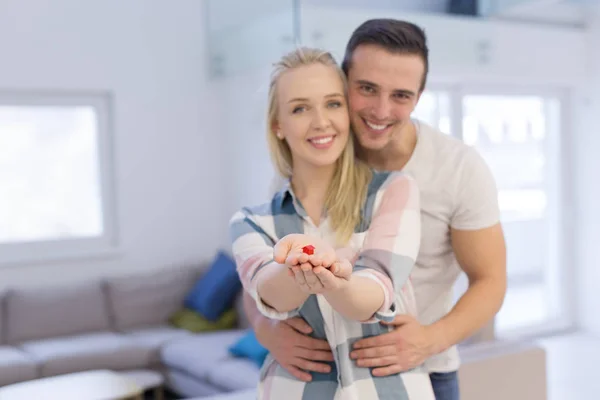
{"type": "Point", "coordinates": [130, 131]}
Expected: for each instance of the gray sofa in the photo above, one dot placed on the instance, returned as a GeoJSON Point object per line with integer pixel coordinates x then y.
{"type": "Point", "coordinates": [122, 324]}
{"type": "Point", "coordinates": [199, 365]}
{"type": "Point", "coordinates": [119, 324]}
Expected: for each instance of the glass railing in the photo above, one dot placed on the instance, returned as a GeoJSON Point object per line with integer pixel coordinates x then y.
{"type": "Point", "coordinates": [244, 35]}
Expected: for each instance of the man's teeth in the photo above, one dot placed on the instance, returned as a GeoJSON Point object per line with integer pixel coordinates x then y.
{"type": "Point", "coordinates": [324, 140]}
{"type": "Point", "coordinates": [376, 127]}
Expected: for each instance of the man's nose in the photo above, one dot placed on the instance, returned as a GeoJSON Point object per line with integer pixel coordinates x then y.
{"type": "Point", "coordinates": [381, 108]}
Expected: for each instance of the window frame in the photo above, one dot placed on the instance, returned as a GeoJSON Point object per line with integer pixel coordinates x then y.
{"type": "Point", "coordinates": [558, 147]}
{"type": "Point", "coordinates": [107, 244]}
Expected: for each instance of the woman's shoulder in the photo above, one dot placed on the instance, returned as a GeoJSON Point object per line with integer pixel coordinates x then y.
{"type": "Point", "coordinates": [275, 205]}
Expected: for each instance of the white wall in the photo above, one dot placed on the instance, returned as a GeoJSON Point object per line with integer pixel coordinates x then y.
{"type": "Point", "coordinates": [224, 15]}
{"type": "Point", "coordinates": [586, 146]}
{"type": "Point", "coordinates": [244, 99]}
{"type": "Point", "coordinates": [150, 55]}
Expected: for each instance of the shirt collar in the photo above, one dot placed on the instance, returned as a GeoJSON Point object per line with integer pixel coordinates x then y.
{"type": "Point", "coordinates": [286, 195]}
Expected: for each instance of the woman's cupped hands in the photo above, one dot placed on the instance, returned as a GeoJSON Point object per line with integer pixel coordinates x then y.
{"type": "Point", "coordinates": [312, 263]}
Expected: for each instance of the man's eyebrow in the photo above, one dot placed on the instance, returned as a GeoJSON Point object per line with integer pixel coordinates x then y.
{"type": "Point", "coordinates": [365, 82]}
{"type": "Point", "coordinates": [404, 92]}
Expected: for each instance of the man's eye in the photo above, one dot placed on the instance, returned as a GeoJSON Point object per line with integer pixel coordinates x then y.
{"type": "Point", "coordinates": [367, 89]}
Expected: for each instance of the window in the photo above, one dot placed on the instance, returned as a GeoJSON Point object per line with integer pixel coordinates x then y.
{"type": "Point", "coordinates": [56, 193]}
{"type": "Point", "coordinates": [518, 135]}
{"type": "Point", "coordinates": [434, 108]}
{"type": "Point", "coordinates": [510, 133]}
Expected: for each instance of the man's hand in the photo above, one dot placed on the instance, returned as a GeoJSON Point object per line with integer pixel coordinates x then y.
{"type": "Point", "coordinates": [288, 343]}
{"type": "Point", "coordinates": [404, 348]}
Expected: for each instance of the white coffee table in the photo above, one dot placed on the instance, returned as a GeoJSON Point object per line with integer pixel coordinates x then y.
{"type": "Point", "coordinates": [90, 385]}
{"type": "Point", "coordinates": [247, 394]}
{"type": "Point", "coordinates": [147, 380]}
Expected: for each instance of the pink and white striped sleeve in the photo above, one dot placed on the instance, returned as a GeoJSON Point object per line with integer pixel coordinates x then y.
{"type": "Point", "coordinates": [392, 243]}
{"type": "Point", "coordinates": [252, 249]}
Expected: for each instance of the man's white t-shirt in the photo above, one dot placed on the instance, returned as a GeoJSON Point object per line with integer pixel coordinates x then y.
{"type": "Point", "coordinates": [457, 191]}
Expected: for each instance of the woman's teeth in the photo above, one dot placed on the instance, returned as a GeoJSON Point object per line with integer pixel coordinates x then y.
{"type": "Point", "coordinates": [323, 140]}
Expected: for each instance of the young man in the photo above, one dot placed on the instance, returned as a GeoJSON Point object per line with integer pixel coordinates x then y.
{"type": "Point", "coordinates": [386, 62]}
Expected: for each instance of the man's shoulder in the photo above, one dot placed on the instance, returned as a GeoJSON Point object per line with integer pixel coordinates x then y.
{"type": "Point", "coordinates": [443, 148]}
{"type": "Point", "coordinates": [381, 179]}
{"type": "Point", "coordinates": [439, 139]}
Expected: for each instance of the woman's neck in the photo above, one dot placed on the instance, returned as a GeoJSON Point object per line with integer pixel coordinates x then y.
{"type": "Point", "coordinates": [310, 187]}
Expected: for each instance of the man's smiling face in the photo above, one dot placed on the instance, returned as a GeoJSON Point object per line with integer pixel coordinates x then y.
{"type": "Point", "coordinates": [383, 89]}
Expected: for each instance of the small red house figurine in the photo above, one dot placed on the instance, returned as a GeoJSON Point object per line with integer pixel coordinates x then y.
{"type": "Point", "coordinates": [310, 249]}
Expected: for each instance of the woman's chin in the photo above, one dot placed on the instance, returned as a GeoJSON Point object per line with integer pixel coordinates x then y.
{"type": "Point", "coordinates": [324, 162]}
{"type": "Point", "coordinates": [320, 159]}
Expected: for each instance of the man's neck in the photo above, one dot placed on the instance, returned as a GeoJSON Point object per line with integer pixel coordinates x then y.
{"type": "Point", "coordinates": [396, 154]}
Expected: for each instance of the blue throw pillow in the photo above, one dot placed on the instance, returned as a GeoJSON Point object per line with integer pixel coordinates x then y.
{"type": "Point", "coordinates": [249, 347]}
{"type": "Point", "coordinates": [216, 290]}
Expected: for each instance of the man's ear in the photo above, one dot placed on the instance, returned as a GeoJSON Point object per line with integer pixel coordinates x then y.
{"type": "Point", "coordinates": [419, 96]}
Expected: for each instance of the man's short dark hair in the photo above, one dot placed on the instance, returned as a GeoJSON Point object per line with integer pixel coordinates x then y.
{"type": "Point", "coordinates": [395, 36]}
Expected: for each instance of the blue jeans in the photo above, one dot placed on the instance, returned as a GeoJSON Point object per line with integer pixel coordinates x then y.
{"type": "Point", "coordinates": [445, 385]}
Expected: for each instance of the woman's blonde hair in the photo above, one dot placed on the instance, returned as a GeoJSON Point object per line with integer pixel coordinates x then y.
{"type": "Point", "coordinates": [348, 190]}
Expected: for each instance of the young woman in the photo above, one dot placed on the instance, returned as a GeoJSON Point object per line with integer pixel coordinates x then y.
{"type": "Point", "coordinates": [362, 229]}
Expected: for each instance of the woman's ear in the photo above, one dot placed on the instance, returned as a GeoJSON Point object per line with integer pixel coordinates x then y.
{"type": "Point", "coordinates": [275, 128]}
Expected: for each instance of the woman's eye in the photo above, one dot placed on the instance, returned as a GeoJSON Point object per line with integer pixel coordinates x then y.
{"type": "Point", "coordinates": [298, 109]}
{"type": "Point", "coordinates": [335, 104]}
